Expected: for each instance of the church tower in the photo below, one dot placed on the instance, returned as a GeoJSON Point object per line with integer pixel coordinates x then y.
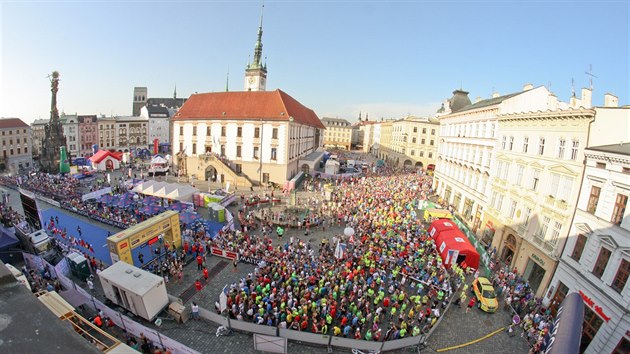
{"type": "Point", "coordinates": [256, 71]}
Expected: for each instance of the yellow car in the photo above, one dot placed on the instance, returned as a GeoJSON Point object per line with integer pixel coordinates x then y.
{"type": "Point", "coordinates": [484, 291]}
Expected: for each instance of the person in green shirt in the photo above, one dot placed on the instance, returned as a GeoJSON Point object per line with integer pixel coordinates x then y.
{"type": "Point", "coordinates": [368, 335]}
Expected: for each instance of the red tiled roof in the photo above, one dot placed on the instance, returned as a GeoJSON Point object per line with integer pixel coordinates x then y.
{"type": "Point", "coordinates": [269, 105]}
{"type": "Point", "coordinates": [101, 155]}
{"type": "Point", "coordinates": [12, 123]}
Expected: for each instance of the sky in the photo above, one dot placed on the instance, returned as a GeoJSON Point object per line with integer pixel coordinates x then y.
{"type": "Point", "coordinates": [388, 59]}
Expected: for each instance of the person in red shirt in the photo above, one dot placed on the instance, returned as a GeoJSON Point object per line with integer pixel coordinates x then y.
{"type": "Point", "coordinates": [471, 303]}
{"type": "Point", "coordinates": [205, 274]}
{"type": "Point", "coordinates": [198, 286]}
{"type": "Point", "coordinates": [199, 262]}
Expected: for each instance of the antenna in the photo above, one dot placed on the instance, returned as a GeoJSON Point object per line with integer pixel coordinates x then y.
{"type": "Point", "coordinates": [572, 87]}
{"type": "Point", "coordinates": [590, 75]}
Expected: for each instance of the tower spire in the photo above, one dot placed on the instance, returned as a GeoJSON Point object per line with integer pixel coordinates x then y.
{"type": "Point", "coordinates": [258, 48]}
{"type": "Point", "coordinates": [175, 92]}
{"type": "Point", "coordinates": [227, 81]}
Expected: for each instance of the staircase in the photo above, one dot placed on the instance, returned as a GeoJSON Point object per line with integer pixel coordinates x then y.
{"type": "Point", "coordinates": [224, 166]}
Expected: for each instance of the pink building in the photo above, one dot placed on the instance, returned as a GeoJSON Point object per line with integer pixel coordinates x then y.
{"type": "Point", "coordinates": [88, 134]}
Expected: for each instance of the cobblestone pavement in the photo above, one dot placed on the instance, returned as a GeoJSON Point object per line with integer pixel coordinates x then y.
{"type": "Point", "coordinates": [456, 327]}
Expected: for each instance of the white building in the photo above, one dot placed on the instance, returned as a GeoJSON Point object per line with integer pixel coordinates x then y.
{"type": "Point", "coordinates": [70, 124]}
{"type": "Point", "coordinates": [596, 259]}
{"type": "Point", "coordinates": [159, 124]}
{"type": "Point", "coordinates": [468, 137]}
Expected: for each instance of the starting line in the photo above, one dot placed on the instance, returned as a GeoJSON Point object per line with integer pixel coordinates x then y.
{"type": "Point", "coordinates": [471, 342]}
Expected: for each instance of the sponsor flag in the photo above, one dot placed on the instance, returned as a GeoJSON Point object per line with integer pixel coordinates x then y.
{"type": "Point", "coordinates": [340, 250]}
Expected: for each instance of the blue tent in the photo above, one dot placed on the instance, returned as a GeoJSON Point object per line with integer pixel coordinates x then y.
{"type": "Point", "coordinates": [178, 206]}
{"type": "Point", "coordinates": [188, 217]}
{"type": "Point", "coordinates": [151, 209]}
{"type": "Point", "coordinates": [106, 198]}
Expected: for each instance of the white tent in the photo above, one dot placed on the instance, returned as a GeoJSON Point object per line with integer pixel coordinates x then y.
{"type": "Point", "coordinates": [142, 187]}
{"type": "Point", "coordinates": [182, 193]}
{"type": "Point", "coordinates": [158, 160]}
{"type": "Point", "coordinates": [166, 190]}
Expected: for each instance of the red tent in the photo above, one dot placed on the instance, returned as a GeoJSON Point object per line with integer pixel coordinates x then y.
{"type": "Point", "coordinates": [454, 247]}
{"type": "Point", "coordinates": [441, 225]}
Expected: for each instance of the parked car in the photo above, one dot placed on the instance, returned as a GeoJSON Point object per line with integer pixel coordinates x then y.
{"type": "Point", "coordinates": [484, 291]}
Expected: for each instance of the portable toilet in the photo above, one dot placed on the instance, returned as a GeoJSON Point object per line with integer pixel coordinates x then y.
{"type": "Point", "coordinates": [219, 211]}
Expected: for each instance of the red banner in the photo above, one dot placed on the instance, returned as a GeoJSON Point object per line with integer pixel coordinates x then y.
{"type": "Point", "coordinates": [155, 146]}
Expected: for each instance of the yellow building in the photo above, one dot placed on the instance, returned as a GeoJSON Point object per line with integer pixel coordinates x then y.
{"type": "Point", "coordinates": [338, 133]}
{"type": "Point", "coordinates": [411, 141]}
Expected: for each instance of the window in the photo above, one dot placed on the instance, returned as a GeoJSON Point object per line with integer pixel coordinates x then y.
{"type": "Point", "coordinates": [274, 133]}
{"type": "Point", "coordinates": [415, 129]}
{"type": "Point", "coordinates": [602, 261]}
{"type": "Point", "coordinates": [432, 142]}
{"type": "Point", "coordinates": [208, 130]}
{"type": "Point", "coordinates": [491, 130]}
{"type": "Point", "coordinates": [194, 149]}
{"type": "Point", "coordinates": [432, 131]}
{"type": "Point", "coordinates": [601, 165]}
{"type": "Point", "coordinates": [195, 130]}
{"type": "Point", "coordinates": [542, 227]}
{"type": "Point", "coordinates": [421, 153]}
{"type": "Point", "coordinates": [541, 146]}
{"type": "Point", "coordinates": [619, 282]}
{"type": "Point", "coordinates": [257, 133]}
{"type": "Point", "coordinates": [580, 243]}
{"type": "Point", "coordinates": [561, 146]}
{"type": "Point", "coordinates": [256, 152]}
{"type": "Point", "coordinates": [526, 215]}
{"type": "Point", "coordinates": [574, 150]}
{"type": "Point", "coordinates": [520, 169]}
{"type": "Point", "coordinates": [511, 143]}
{"type": "Point", "coordinates": [535, 179]}
{"type": "Point", "coordinates": [512, 209]}
{"type": "Point", "coordinates": [430, 155]}
{"type": "Point", "coordinates": [625, 170]}
{"type": "Point", "coordinates": [555, 233]}
{"type": "Point", "coordinates": [223, 129]}
{"type": "Point", "coordinates": [238, 151]}
{"type": "Point", "coordinates": [181, 131]}
{"type": "Point", "coordinates": [503, 141]}
{"type": "Point", "coordinates": [274, 153]}
{"type": "Point", "coordinates": [17, 141]}
{"type": "Point", "coordinates": [423, 141]}
{"type": "Point", "coordinates": [239, 132]}
{"type": "Point", "coordinates": [11, 152]}
{"type": "Point", "coordinates": [617, 216]}
{"type": "Point", "coordinates": [623, 346]}
{"type": "Point", "coordinates": [499, 201]}
{"type": "Point", "coordinates": [239, 168]}
{"type": "Point", "coordinates": [413, 152]}
{"type": "Point", "coordinates": [222, 150]}
{"type": "Point", "coordinates": [424, 130]}
{"type": "Point", "coordinates": [26, 150]}
{"type": "Point", "coordinates": [593, 199]}
{"type": "Point", "coordinates": [18, 150]}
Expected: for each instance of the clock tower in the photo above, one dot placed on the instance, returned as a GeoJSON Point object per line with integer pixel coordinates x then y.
{"type": "Point", "coordinates": [256, 71]}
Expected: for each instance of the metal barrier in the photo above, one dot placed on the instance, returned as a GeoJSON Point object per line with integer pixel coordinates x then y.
{"type": "Point", "coordinates": [253, 328]}
{"type": "Point", "coordinates": [356, 344]}
{"type": "Point", "coordinates": [306, 337]}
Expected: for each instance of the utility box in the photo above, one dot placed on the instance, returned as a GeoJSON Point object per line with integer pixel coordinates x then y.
{"type": "Point", "coordinates": [140, 292]}
{"type": "Point", "coordinates": [78, 265]}
{"type": "Point", "coordinates": [178, 312]}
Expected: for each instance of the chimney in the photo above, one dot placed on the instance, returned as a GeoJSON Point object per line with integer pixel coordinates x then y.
{"type": "Point", "coordinates": [527, 87]}
{"type": "Point", "coordinates": [495, 95]}
{"type": "Point", "coordinates": [586, 98]}
{"type": "Point", "coordinates": [552, 102]}
{"type": "Point", "coordinates": [477, 99]}
{"type": "Point", "coordinates": [573, 102]}
{"type": "Point", "coordinates": [611, 100]}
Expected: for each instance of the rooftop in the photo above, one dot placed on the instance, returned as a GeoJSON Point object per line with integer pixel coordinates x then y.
{"type": "Point", "coordinates": [30, 326]}
{"type": "Point", "coordinates": [621, 149]}
{"type": "Point", "coordinates": [247, 105]}
{"type": "Point", "coordinates": [12, 123]}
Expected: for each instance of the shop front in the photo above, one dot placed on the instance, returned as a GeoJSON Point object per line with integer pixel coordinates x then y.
{"type": "Point", "coordinates": [535, 266]}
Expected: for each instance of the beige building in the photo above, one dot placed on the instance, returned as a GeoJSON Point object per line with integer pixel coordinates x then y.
{"type": "Point", "coordinates": [16, 145]}
{"type": "Point", "coordinates": [37, 131]}
{"type": "Point", "coordinates": [466, 148]}
{"type": "Point", "coordinates": [244, 138]}
{"type": "Point", "coordinates": [338, 133]}
{"type": "Point", "coordinates": [106, 132]}
{"type": "Point", "coordinates": [131, 132]}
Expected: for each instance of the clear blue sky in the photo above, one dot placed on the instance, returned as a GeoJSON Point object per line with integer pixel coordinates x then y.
{"type": "Point", "coordinates": [386, 58]}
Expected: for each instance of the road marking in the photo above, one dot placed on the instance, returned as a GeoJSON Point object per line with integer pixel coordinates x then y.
{"type": "Point", "coordinates": [471, 342]}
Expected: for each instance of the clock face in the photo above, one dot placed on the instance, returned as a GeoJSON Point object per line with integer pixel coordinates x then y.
{"type": "Point", "coordinates": [251, 80]}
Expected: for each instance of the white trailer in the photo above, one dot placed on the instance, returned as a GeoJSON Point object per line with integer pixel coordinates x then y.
{"type": "Point", "coordinates": [141, 292]}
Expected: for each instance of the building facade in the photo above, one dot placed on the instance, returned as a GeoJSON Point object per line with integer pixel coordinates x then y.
{"type": "Point", "coordinates": [131, 133]}
{"type": "Point", "coordinates": [38, 132]}
{"type": "Point", "coordinates": [106, 133]}
{"type": "Point", "coordinates": [596, 260]}
{"type": "Point", "coordinates": [16, 145]}
{"type": "Point", "coordinates": [534, 184]}
{"type": "Point", "coordinates": [249, 137]}
{"type": "Point", "coordinates": [140, 96]}
{"type": "Point", "coordinates": [88, 134]}
{"type": "Point", "coordinates": [338, 133]}
{"type": "Point", "coordinates": [159, 126]}
{"type": "Point", "coordinates": [70, 124]}
{"type": "Point", "coordinates": [468, 136]}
